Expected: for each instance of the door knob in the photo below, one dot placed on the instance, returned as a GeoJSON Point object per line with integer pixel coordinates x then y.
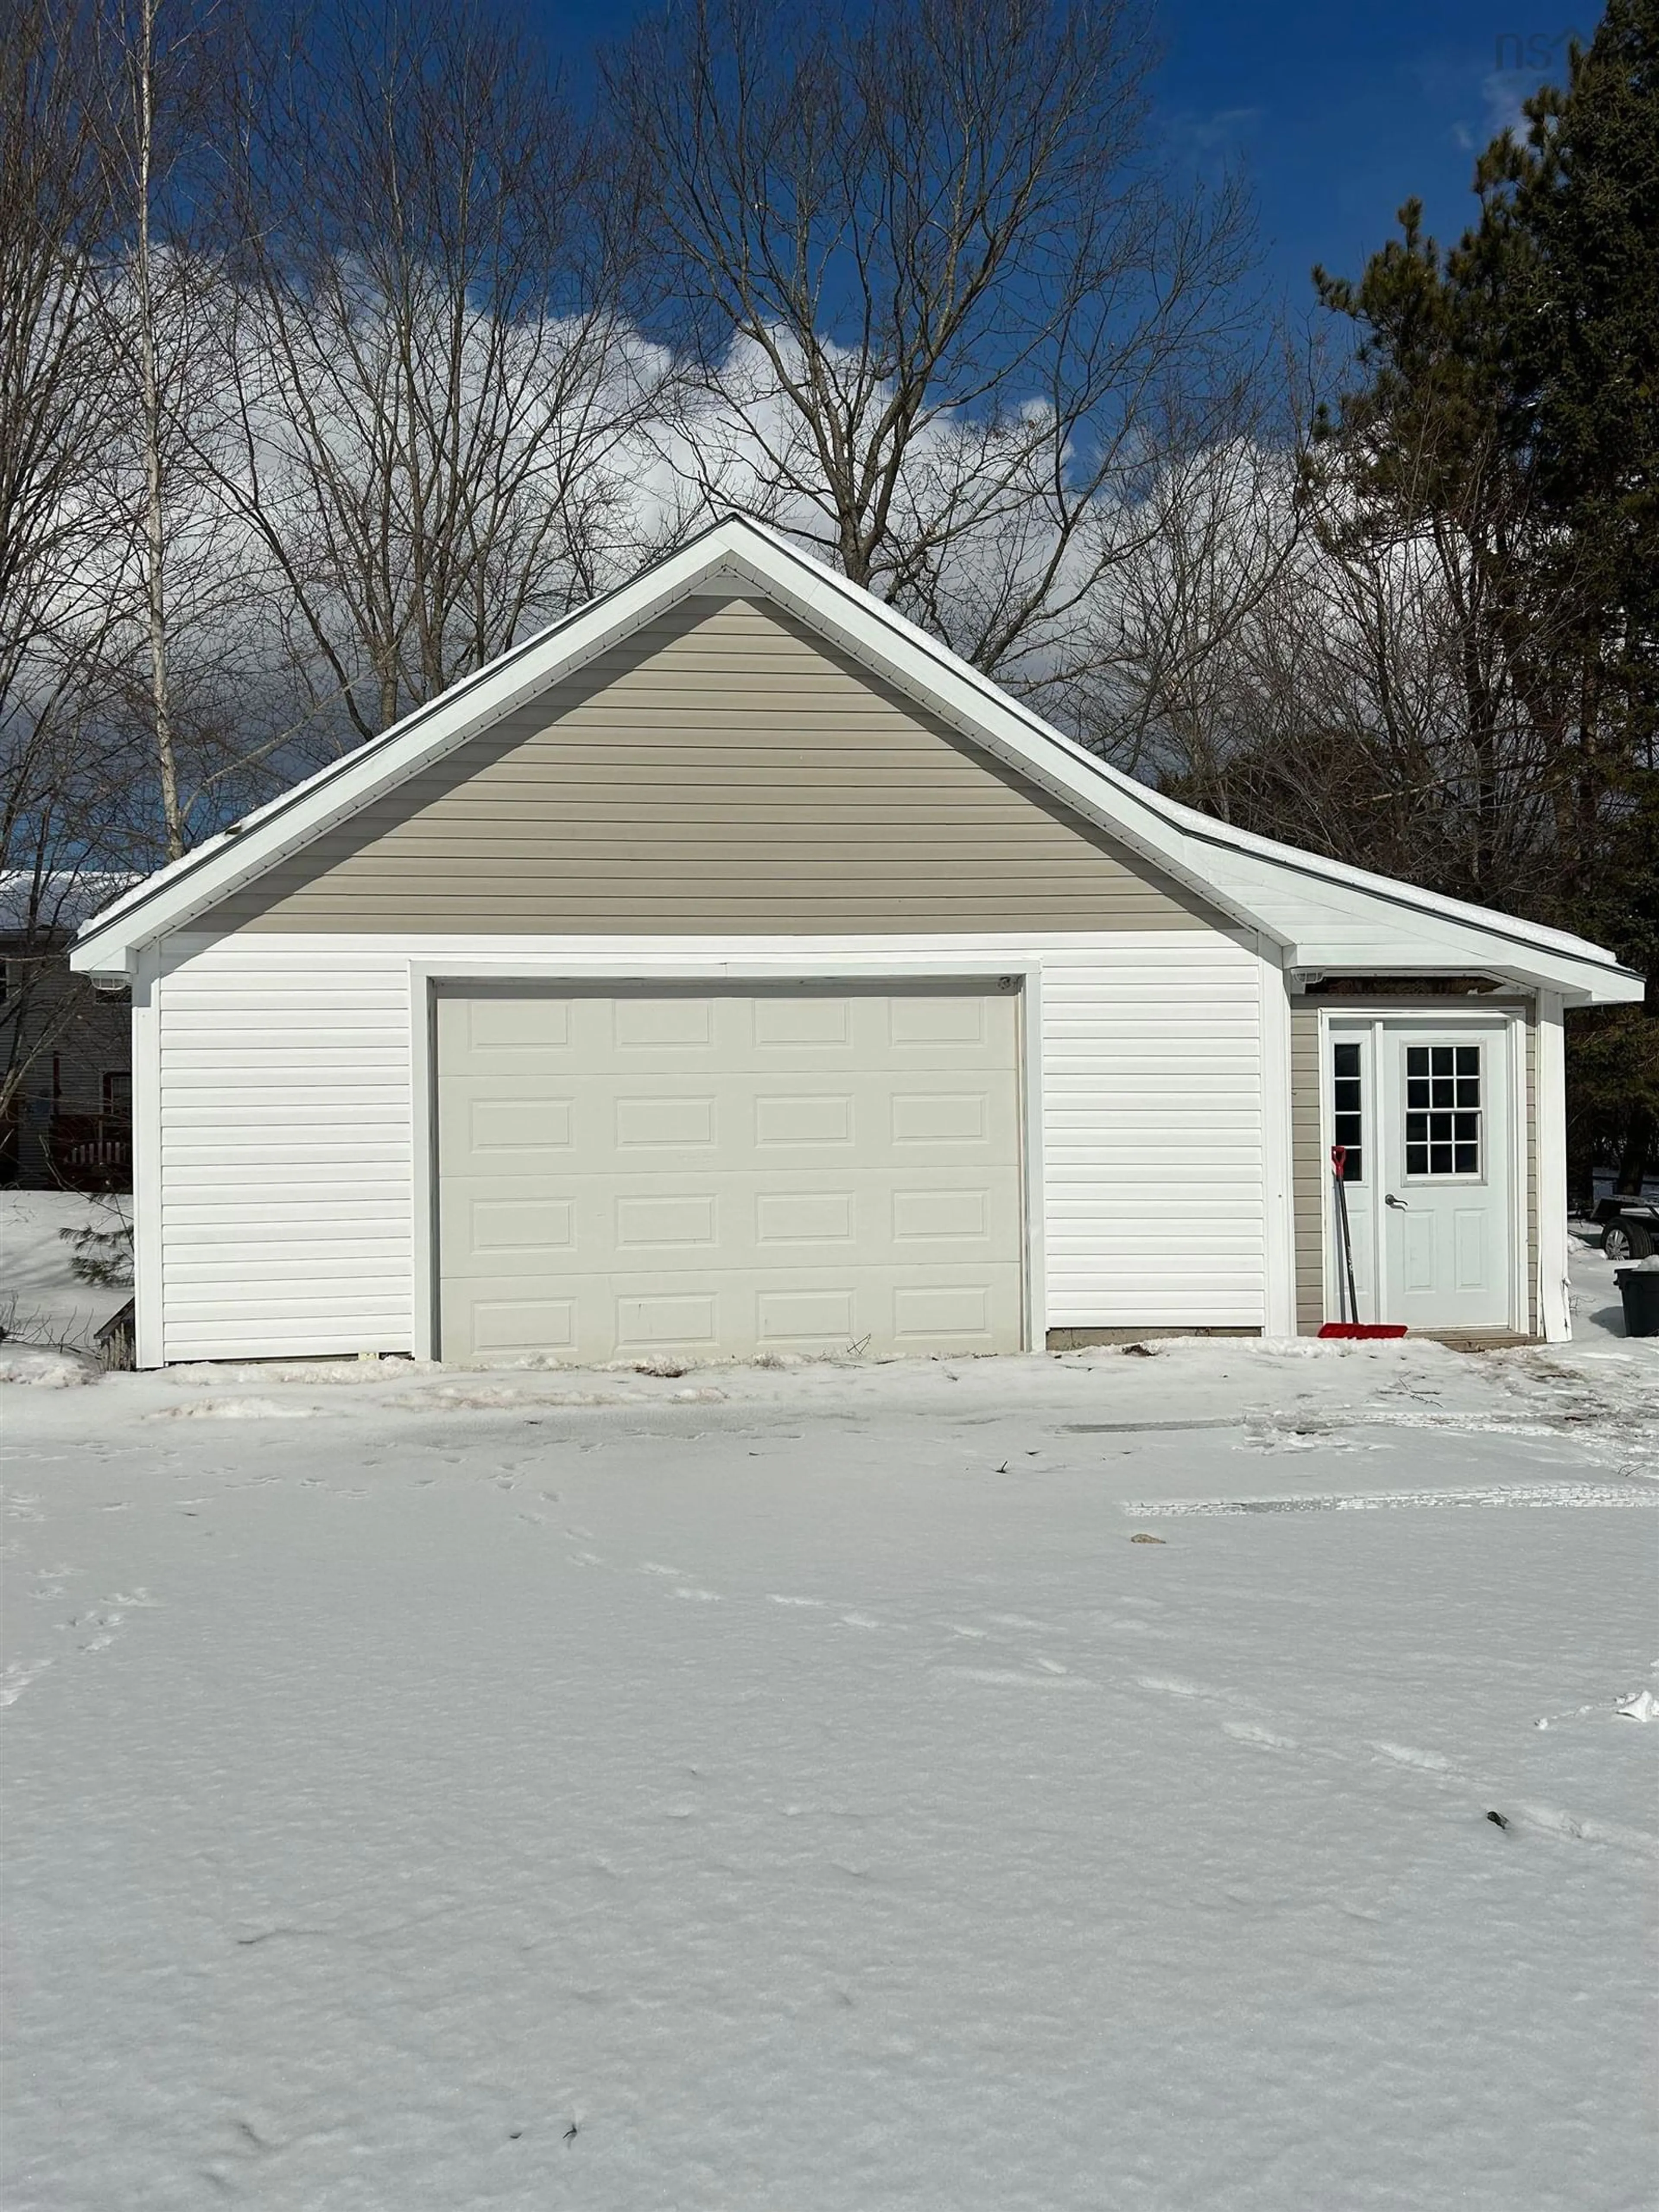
{"type": "Point", "coordinates": [1398, 1203]}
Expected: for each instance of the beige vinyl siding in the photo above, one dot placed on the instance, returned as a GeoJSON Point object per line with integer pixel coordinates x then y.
{"type": "Point", "coordinates": [723, 770]}
{"type": "Point", "coordinates": [1307, 1168]}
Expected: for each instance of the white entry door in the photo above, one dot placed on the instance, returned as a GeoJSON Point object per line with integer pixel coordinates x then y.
{"type": "Point", "coordinates": [1428, 1109]}
{"type": "Point", "coordinates": [1446, 1203]}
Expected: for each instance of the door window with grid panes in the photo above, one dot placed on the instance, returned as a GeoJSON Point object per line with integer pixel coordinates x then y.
{"type": "Point", "coordinates": [1348, 1108]}
{"type": "Point", "coordinates": [1443, 1109]}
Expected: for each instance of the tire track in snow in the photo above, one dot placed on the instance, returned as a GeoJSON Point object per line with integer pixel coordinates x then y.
{"type": "Point", "coordinates": [1575, 1495]}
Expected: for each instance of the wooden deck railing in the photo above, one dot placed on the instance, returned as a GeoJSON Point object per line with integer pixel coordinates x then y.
{"type": "Point", "coordinates": [91, 1152]}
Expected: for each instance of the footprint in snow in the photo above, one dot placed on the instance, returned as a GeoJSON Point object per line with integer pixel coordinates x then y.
{"type": "Point", "coordinates": [1173, 1686]}
{"type": "Point", "coordinates": [103, 1625]}
{"type": "Point", "coordinates": [1264, 1738]}
{"type": "Point", "coordinates": [17, 1678]}
{"type": "Point", "coordinates": [1406, 1755]}
{"type": "Point", "coordinates": [1007, 1678]}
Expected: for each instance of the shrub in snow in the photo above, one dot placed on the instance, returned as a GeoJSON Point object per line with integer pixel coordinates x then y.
{"type": "Point", "coordinates": [103, 1250]}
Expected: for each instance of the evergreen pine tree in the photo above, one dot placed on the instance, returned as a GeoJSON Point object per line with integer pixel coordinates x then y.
{"type": "Point", "coordinates": [1510, 395]}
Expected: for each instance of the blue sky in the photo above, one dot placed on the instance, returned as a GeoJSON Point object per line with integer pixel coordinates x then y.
{"type": "Point", "coordinates": [1342, 113]}
{"type": "Point", "coordinates": [1337, 113]}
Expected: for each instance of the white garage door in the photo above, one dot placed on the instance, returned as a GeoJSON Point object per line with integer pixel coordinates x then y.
{"type": "Point", "coordinates": [728, 1173]}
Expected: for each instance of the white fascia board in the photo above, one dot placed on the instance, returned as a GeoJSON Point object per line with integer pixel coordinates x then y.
{"type": "Point", "coordinates": [1272, 889]}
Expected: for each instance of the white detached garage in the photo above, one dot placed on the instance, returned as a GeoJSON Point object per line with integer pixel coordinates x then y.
{"type": "Point", "coordinates": [730, 968]}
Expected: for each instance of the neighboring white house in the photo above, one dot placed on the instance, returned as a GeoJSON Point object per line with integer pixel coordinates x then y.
{"type": "Point", "coordinates": [731, 969]}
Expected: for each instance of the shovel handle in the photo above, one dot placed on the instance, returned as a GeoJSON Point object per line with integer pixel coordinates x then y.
{"type": "Point", "coordinates": [1338, 1162]}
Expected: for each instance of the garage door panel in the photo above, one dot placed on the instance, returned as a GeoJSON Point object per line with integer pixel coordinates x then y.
{"type": "Point", "coordinates": [652, 1319]}
{"type": "Point", "coordinates": [735, 1122]}
{"type": "Point", "coordinates": [497, 1034]}
{"type": "Point", "coordinates": [666, 1120]}
{"type": "Point", "coordinates": [796, 1023]}
{"type": "Point", "coordinates": [787, 1218]}
{"type": "Point", "coordinates": [499, 1327]}
{"type": "Point", "coordinates": [506, 1031]}
{"type": "Point", "coordinates": [723, 1174]}
{"type": "Point", "coordinates": [673, 1025]}
{"type": "Point", "coordinates": [517, 1131]}
{"type": "Point", "coordinates": [600, 1222]}
{"type": "Point", "coordinates": [920, 1023]}
{"type": "Point", "coordinates": [808, 1309]}
{"type": "Point", "coordinates": [803, 1313]}
{"type": "Point", "coordinates": [604, 1223]}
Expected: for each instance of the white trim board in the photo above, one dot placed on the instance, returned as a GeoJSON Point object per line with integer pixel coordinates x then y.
{"type": "Point", "coordinates": [146, 1222]}
{"type": "Point", "coordinates": [1550, 1149]}
{"type": "Point", "coordinates": [1324, 913]}
{"type": "Point", "coordinates": [1279, 1183]}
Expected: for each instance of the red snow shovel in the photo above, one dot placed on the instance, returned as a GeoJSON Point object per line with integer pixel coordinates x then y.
{"type": "Point", "coordinates": [1347, 1297]}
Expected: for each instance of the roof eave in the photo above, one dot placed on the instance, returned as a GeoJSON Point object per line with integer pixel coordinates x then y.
{"type": "Point", "coordinates": [1433, 934]}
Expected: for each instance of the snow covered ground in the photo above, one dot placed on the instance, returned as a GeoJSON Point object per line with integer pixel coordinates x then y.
{"type": "Point", "coordinates": [958, 1787]}
{"type": "Point", "coordinates": [41, 1299]}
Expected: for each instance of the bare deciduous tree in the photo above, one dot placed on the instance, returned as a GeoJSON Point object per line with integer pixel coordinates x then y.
{"type": "Point", "coordinates": [158, 81]}
{"type": "Point", "coordinates": [934, 284]}
{"type": "Point", "coordinates": [1367, 706]}
{"type": "Point", "coordinates": [431, 378]}
{"type": "Point", "coordinates": [57, 413]}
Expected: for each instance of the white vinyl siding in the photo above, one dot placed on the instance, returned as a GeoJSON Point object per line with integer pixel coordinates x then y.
{"type": "Point", "coordinates": [1152, 1137]}
{"type": "Point", "coordinates": [286, 1191]}
{"type": "Point", "coordinates": [282, 1221]}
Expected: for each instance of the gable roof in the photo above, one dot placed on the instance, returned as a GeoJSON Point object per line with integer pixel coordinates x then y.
{"type": "Point", "coordinates": [1323, 914]}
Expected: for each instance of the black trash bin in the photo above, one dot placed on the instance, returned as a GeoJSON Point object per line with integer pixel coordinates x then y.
{"type": "Point", "coordinates": [1639, 1289]}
